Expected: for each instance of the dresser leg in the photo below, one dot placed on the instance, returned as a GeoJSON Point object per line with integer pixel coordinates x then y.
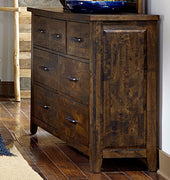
{"type": "Point", "coordinates": [33, 128]}
{"type": "Point", "coordinates": [96, 164]}
{"type": "Point", "coordinates": [152, 161]}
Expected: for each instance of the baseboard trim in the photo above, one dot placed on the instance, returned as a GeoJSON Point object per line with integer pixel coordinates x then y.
{"type": "Point", "coordinates": [7, 89]}
{"type": "Point", "coordinates": [164, 164]}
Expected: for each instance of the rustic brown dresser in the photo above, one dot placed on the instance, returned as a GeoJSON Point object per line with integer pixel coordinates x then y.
{"type": "Point", "coordinates": [94, 82]}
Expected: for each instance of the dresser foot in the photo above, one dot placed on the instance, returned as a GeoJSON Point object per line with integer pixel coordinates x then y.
{"type": "Point", "coordinates": [152, 160]}
{"type": "Point", "coordinates": [95, 166]}
{"type": "Point", "coordinates": [33, 128]}
{"type": "Point", "coordinates": [152, 164]}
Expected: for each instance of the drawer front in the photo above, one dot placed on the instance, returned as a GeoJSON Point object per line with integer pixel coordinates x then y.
{"type": "Point", "coordinates": [75, 119]}
{"type": "Point", "coordinates": [40, 31]}
{"type": "Point", "coordinates": [68, 118]}
{"type": "Point", "coordinates": [49, 33]}
{"type": "Point", "coordinates": [45, 68]}
{"type": "Point", "coordinates": [45, 108]}
{"type": "Point", "coordinates": [78, 35]}
{"type": "Point", "coordinates": [74, 78]}
{"type": "Point", "coordinates": [57, 36]}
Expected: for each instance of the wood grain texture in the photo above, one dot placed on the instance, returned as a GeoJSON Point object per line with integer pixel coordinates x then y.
{"type": "Point", "coordinates": [26, 94]}
{"type": "Point", "coordinates": [45, 67]}
{"type": "Point", "coordinates": [152, 100]}
{"type": "Point", "coordinates": [25, 46]}
{"type": "Point", "coordinates": [124, 153]}
{"type": "Point", "coordinates": [25, 83]}
{"type": "Point", "coordinates": [25, 52]}
{"type": "Point", "coordinates": [25, 73]}
{"type": "Point", "coordinates": [124, 87]}
{"type": "Point", "coordinates": [52, 106]}
{"type": "Point", "coordinates": [74, 78]}
{"type": "Point", "coordinates": [96, 109]}
{"type": "Point", "coordinates": [25, 60]}
{"type": "Point", "coordinates": [78, 39]}
{"type": "Point", "coordinates": [50, 34]}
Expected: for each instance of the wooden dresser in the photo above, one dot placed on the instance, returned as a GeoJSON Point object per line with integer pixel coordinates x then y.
{"type": "Point", "coordinates": [94, 80]}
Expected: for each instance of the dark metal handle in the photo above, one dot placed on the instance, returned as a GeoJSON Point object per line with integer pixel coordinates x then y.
{"type": "Point", "coordinates": [72, 79]}
{"type": "Point", "coordinates": [44, 68]}
{"type": "Point", "coordinates": [71, 120]}
{"type": "Point", "coordinates": [44, 106]}
{"type": "Point", "coordinates": [77, 39]}
{"type": "Point", "coordinates": [56, 36]}
{"type": "Point", "coordinates": [41, 30]}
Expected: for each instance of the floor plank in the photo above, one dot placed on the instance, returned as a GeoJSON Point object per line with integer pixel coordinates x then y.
{"type": "Point", "coordinates": [136, 175]}
{"type": "Point", "coordinates": [118, 175]}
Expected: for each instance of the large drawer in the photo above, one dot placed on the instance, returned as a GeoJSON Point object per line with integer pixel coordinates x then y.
{"type": "Point", "coordinates": [74, 78]}
{"type": "Point", "coordinates": [45, 68]}
{"type": "Point", "coordinates": [49, 33]}
{"type": "Point", "coordinates": [68, 118]}
{"type": "Point", "coordinates": [78, 35]}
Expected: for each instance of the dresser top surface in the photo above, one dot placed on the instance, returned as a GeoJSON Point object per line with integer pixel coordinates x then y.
{"type": "Point", "coordinates": [59, 13]}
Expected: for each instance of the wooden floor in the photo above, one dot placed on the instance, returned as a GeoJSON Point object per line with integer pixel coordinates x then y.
{"type": "Point", "coordinates": [52, 158]}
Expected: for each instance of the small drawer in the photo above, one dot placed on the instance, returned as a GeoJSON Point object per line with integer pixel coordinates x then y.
{"type": "Point", "coordinates": [49, 33]}
{"type": "Point", "coordinates": [40, 31]}
{"type": "Point", "coordinates": [75, 119]}
{"type": "Point", "coordinates": [45, 108]}
{"type": "Point", "coordinates": [78, 43]}
{"type": "Point", "coordinates": [45, 68]}
{"type": "Point", "coordinates": [57, 36]}
{"type": "Point", "coordinates": [74, 78]}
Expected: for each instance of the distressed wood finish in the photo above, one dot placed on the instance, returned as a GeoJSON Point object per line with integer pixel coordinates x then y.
{"type": "Point", "coordinates": [103, 86]}
{"type": "Point", "coordinates": [78, 39]}
{"type": "Point", "coordinates": [73, 80]}
{"type": "Point", "coordinates": [49, 34]}
{"type": "Point", "coordinates": [124, 86]}
{"type": "Point", "coordinates": [45, 68]}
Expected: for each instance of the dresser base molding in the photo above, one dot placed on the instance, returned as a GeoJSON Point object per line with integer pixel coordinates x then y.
{"type": "Point", "coordinates": [164, 164]}
{"type": "Point", "coordinates": [124, 153]}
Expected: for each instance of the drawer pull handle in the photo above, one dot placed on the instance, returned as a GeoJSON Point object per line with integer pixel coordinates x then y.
{"type": "Point", "coordinates": [56, 36]}
{"type": "Point", "coordinates": [71, 120]}
{"type": "Point", "coordinates": [41, 30]}
{"type": "Point", "coordinates": [44, 68]}
{"type": "Point", "coordinates": [77, 39]}
{"type": "Point", "coordinates": [44, 106]}
{"type": "Point", "coordinates": [72, 79]}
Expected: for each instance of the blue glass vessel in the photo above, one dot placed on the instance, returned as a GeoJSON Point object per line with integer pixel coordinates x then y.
{"type": "Point", "coordinates": [95, 6]}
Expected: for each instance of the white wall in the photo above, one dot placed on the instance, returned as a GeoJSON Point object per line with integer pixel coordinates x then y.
{"type": "Point", "coordinates": [162, 8]}
{"type": "Point", "coordinates": [6, 42]}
